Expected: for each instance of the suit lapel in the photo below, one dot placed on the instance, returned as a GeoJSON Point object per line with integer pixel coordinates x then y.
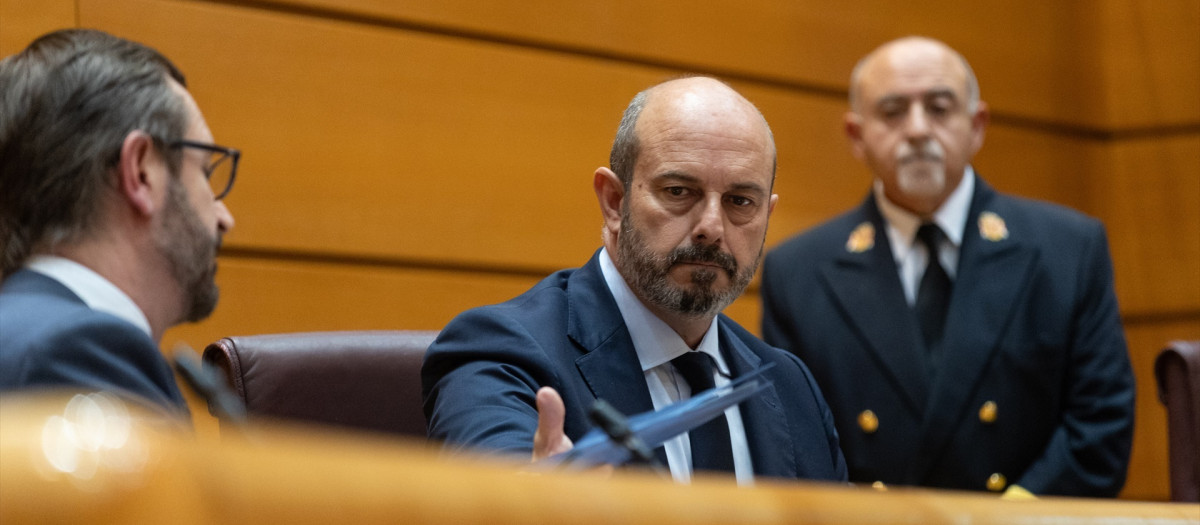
{"type": "Point", "coordinates": [866, 285]}
{"type": "Point", "coordinates": [771, 450]}
{"type": "Point", "coordinates": [991, 276]}
{"type": "Point", "coordinates": [609, 365]}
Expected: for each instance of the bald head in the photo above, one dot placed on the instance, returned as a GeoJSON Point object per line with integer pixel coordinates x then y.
{"type": "Point", "coordinates": [695, 104]}
{"type": "Point", "coordinates": [916, 120]}
{"type": "Point", "coordinates": [891, 56]}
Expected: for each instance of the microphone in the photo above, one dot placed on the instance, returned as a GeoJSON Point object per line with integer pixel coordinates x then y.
{"type": "Point", "coordinates": [210, 385]}
{"type": "Point", "coordinates": [614, 424]}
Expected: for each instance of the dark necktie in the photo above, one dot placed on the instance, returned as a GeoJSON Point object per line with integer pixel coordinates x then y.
{"type": "Point", "coordinates": [711, 449]}
{"type": "Point", "coordinates": [933, 296]}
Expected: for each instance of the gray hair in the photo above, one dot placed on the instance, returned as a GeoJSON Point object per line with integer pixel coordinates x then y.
{"type": "Point", "coordinates": [625, 146]}
{"type": "Point", "coordinates": [972, 87]}
{"type": "Point", "coordinates": [67, 102]}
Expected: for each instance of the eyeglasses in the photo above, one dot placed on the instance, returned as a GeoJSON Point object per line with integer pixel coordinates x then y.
{"type": "Point", "coordinates": [221, 167]}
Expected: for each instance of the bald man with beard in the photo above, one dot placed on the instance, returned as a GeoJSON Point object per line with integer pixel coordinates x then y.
{"type": "Point", "coordinates": [685, 205]}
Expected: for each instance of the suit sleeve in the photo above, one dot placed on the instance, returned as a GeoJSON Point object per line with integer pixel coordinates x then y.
{"type": "Point", "coordinates": [1088, 453]}
{"type": "Point", "coordinates": [104, 356]}
{"type": "Point", "coordinates": [838, 466]}
{"type": "Point", "coordinates": [479, 382]}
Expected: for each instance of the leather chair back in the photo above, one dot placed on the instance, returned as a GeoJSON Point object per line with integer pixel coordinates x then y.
{"type": "Point", "coordinates": [359, 379]}
{"type": "Point", "coordinates": [1177, 370]}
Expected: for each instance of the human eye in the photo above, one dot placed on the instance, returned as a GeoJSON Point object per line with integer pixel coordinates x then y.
{"type": "Point", "coordinates": [891, 108]}
{"type": "Point", "coordinates": [739, 201]}
{"type": "Point", "coordinates": [941, 105]}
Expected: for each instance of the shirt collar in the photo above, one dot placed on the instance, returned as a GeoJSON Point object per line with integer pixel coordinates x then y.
{"type": "Point", "coordinates": [951, 216]}
{"type": "Point", "coordinates": [97, 292]}
{"type": "Point", "coordinates": [655, 342]}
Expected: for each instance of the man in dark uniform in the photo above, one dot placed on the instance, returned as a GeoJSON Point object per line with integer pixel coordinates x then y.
{"type": "Point", "coordinates": [963, 338]}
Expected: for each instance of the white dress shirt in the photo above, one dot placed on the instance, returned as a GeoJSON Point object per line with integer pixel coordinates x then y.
{"type": "Point", "coordinates": [657, 344]}
{"type": "Point", "coordinates": [911, 255]}
{"type": "Point", "coordinates": [95, 291]}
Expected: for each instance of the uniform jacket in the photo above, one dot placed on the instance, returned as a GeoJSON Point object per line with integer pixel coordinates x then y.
{"type": "Point", "coordinates": [480, 378]}
{"type": "Point", "coordinates": [1034, 386]}
{"type": "Point", "coordinates": [50, 338]}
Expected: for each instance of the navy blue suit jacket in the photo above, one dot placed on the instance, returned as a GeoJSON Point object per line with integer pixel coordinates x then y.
{"type": "Point", "coordinates": [481, 375]}
{"type": "Point", "coordinates": [50, 338]}
{"type": "Point", "coordinates": [1033, 328]}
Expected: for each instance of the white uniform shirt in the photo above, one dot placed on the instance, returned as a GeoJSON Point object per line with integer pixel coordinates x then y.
{"type": "Point", "coordinates": [911, 255]}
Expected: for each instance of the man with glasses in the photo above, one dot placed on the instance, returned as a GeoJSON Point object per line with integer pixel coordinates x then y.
{"type": "Point", "coordinates": [110, 215]}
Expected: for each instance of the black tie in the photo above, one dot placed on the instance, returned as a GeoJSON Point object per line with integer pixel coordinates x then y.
{"type": "Point", "coordinates": [711, 449]}
{"type": "Point", "coordinates": [933, 296]}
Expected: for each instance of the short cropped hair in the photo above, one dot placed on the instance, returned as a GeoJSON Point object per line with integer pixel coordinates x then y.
{"type": "Point", "coordinates": [67, 102]}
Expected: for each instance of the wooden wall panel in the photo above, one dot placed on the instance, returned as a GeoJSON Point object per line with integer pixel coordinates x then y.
{"type": "Point", "coordinates": [423, 147]}
{"type": "Point", "coordinates": [1151, 63]}
{"type": "Point", "coordinates": [1035, 59]}
{"type": "Point", "coordinates": [1149, 198]}
{"type": "Point", "coordinates": [21, 21]}
{"type": "Point", "coordinates": [443, 150]}
{"type": "Point", "coordinates": [387, 143]}
{"type": "Point", "coordinates": [1148, 468]}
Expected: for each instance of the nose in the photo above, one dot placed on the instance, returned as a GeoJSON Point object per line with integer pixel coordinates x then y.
{"type": "Point", "coordinates": [917, 125]}
{"type": "Point", "coordinates": [710, 225]}
{"type": "Point", "coordinates": [224, 217]}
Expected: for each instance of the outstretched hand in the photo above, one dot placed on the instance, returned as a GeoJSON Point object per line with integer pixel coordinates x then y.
{"type": "Point", "coordinates": [550, 438]}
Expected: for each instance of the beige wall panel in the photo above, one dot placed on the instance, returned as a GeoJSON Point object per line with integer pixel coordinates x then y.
{"type": "Point", "coordinates": [21, 21]}
{"type": "Point", "coordinates": [1037, 60]}
{"type": "Point", "coordinates": [1149, 197]}
{"type": "Point", "coordinates": [1151, 57]}
{"type": "Point", "coordinates": [1148, 469]}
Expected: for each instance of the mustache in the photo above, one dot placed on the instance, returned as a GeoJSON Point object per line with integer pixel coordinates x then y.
{"type": "Point", "coordinates": [928, 150]}
{"type": "Point", "coordinates": [707, 254]}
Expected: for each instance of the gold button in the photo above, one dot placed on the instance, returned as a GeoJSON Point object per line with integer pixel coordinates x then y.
{"type": "Point", "coordinates": [868, 422]}
{"type": "Point", "coordinates": [987, 412]}
{"type": "Point", "coordinates": [878, 485]}
{"type": "Point", "coordinates": [996, 482]}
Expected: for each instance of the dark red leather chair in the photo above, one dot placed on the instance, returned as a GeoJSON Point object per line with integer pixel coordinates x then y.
{"type": "Point", "coordinates": [1177, 370]}
{"type": "Point", "coordinates": [368, 380]}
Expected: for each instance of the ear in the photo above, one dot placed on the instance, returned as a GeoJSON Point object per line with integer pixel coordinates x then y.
{"type": "Point", "coordinates": [771, 204]}
{"type": "Point", "coordinates": [138, 169]}
{"type": "Point", "coordinates": [979, 122]}
{"type": "Point", "coordinates": [852, 123]}
{"type": "Point", "coordinates": [610, 192]}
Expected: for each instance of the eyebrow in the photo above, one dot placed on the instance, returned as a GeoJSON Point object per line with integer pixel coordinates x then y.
{"type": "Point", "coordinates": [937, 92]}
{"type": "Point", "coordinates": [689, 178]}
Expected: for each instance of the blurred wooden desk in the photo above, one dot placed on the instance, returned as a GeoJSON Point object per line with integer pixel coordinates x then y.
{"type": "Point", "coordinates": [91, 460]}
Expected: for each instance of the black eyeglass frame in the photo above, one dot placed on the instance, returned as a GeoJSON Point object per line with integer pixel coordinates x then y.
{"type": "Point", "coordinates": [234, 154]}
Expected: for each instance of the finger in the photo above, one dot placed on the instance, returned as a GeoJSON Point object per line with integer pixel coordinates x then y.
{"type": "Point", "coordinates": [550, 438]}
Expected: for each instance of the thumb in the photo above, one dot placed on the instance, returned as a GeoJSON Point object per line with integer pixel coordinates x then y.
{"type": "Point", "coordinates": [550, 438]}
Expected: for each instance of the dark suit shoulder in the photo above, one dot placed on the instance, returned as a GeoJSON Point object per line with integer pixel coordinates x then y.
{"type": "Point", "coordinates": [821, 240]}
{"type": "Point", "coordinates": [1034, 216]}
{"type": "Point", "coordinates": [54, 340]}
